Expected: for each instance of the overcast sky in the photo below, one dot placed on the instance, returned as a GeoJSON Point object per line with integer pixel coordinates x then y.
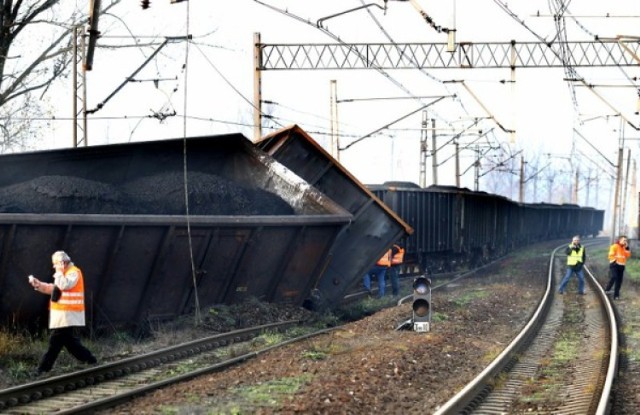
{"type": "Point", "coordinates": [217, 82]}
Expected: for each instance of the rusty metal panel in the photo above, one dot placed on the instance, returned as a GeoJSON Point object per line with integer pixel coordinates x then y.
{"type": "Point", "coordinates": [374, 228]}
{"type": "Point", "coordinates": [139, 266]}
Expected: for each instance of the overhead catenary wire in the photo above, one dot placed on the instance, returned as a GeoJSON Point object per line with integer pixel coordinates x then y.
{"type": "Point", "coordinates": [391, 123]}
{"type": "Point", "coordinates": [339, 40]}
{"type": "Point", "coordinates": [562, 57]}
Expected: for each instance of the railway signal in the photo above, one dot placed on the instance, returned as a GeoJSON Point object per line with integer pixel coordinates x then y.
{"type": "Point", "coordinates": [421, 304]}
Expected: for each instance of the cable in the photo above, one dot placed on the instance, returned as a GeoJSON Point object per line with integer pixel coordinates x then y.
{"type": "Point", "coordinates": [337, 39]}
{"type": "Point", "coordinates": [236, 90]}
{"type": "Point", "coordinates": [198, 318]}
{"type": "Point", "coordinates": [423, 71]}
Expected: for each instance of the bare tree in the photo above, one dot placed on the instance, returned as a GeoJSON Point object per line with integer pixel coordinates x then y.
{"type": "Point", "coordinates": [35, 50]}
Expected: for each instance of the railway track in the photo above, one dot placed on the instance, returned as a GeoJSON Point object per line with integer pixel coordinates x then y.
{"type": "Point", "coordinates": [563, 361]}
{"type": "Point", "coordinates": [110, 384]}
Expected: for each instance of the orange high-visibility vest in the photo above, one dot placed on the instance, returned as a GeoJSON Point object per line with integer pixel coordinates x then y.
{"type": "Point", "coordinates": [385, 260]}
{"type": "Point", "coordinates": [618, 254]}
{"type": "Point", "coordinates": [73, 299]}
{"type": "Point", "coordinates": [398, 258]}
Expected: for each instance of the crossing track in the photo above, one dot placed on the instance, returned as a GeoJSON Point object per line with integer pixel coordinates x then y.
{"type": "Point", "coordinates": [523, 376]}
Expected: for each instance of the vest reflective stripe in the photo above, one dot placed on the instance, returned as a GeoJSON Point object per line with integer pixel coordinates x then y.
{"type": "Point", "coordinates": [575, 257]}
{"type": "Point", "coordinates": [73, 299]}
{"type": "Point", "coordinates": [398, 258]}
{"type": "Point", "coordinates": [385, 260]}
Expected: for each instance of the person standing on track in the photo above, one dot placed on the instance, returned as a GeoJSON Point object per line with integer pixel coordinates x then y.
{"type": "Point", "coordinates": [576, 257]}
{"type": "Point", "coordinates": [66, 311]}
{"type": "Point", "coordinates": [397, 258]}
{"type": "Point", "coordinates": [618, 254]}
{"type": "Point", "coordinates": [379, 271]}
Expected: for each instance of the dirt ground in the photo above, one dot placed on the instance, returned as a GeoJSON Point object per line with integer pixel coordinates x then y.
{"type": "Point", "coordinates": [368, 366]}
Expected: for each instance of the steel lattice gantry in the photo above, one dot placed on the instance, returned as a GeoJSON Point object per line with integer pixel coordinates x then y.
{"type": "Point", "coordinates": [603, 53]}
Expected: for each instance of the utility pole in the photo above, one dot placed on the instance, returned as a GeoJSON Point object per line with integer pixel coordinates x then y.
{"type": "Point", "coordinates": [623, 208]}
{"type": "Point", "coordinates": [257, 88]}
{"type": "Point", "coordinates": [634, 193]}
{"type": "Point", "coordinates": [423, 149]}
{"type": "Point", "coordinates": [434, 159]}
{"type": "Point", "coordinates": [79, 91]}
{"type": "Point", "coordinates": [575, 187]}
{"type": "Point", "coordinates": [589, 179]}
{"type": "Point", "coordinates": [616, 196]}
{"type": "Point", "coordinates": [333, 98]}
{"type": "Point", "coordinates": [521, 198]}
{"type": "Point", "coordinates": [476, 175]}
{"type": "Point", "coordinates": [457, 145]}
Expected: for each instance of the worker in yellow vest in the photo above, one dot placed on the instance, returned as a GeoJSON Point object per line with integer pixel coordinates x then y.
{"type": "Point", "coordinates": [576, 257]}
{"type": "Point", "coordinates": [66, 311]}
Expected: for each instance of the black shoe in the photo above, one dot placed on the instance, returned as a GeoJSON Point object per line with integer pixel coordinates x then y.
{"type": "Point", "coordinates": [616, 298]}
{"type": "Point", "coordinates": [92, 361]}
{"type": "Point", "coordinates": [608, 292]}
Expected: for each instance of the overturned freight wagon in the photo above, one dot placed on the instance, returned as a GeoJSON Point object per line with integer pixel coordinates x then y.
{"type": "Point", "coordinates": [248, 228]}
{"type": "Point", "coordinates": [374, 228]}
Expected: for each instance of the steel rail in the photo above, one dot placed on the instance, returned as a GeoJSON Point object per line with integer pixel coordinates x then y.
{"type": "Point", "coordinates": [462, 399]}
{"type": "Point", "coordinates": [12, 398]}
{"type": "Point", "coordinates": [475, 391]}
{"type": "Point", "coordinates": [612, 368]}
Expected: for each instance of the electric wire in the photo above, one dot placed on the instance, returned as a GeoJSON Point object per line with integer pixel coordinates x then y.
{"type": "Point", "coordinates": [339, 40]}
{"type": "Point", "coordinates": [379, 70]}
{"type": "Point", "coordinates": [549, 44]}
{"type": "Point", "coordinates": [412, 60]}
{"type": "Point", "coordinates": [229, 83]}
{"type": "Point", "coordinates": [198, 319]}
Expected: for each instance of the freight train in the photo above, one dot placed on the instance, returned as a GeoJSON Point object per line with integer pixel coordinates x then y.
{"type": "Point", "coordinates": [279, 220]}
{"type": "Point", "coordinates": [456, 227]}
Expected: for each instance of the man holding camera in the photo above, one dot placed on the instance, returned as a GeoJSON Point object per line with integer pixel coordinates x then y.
{"type": "Point", "coordinates": [576, 257]}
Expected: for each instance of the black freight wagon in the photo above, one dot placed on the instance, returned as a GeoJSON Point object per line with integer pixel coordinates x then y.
{"type": "Point", "coordinates": [143, 254]}
{"type": "Point", "coordinates": [454, 226]}
{"type": "Point", "coordinates": [373, 229]}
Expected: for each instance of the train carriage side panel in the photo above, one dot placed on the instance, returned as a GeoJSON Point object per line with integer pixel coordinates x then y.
{"type": "Point", "coordinates": [374, 228]}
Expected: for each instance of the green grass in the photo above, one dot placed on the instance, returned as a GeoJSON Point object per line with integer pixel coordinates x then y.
{"type": "Point", "coordinates": [468, 297]}
{"type": "Point", "coordinates": [272, 392]}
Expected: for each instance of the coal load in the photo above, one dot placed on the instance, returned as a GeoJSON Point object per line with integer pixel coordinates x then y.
{"type": "Point", "coordinates": [208, 195]}
{"type": "Point", "coordinates": [161, 194]}
{"type": "Point", "coordinates": [63, 194]}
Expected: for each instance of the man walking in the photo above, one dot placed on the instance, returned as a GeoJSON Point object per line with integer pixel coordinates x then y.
{"type": "Point", "coordinates": [66, 311]}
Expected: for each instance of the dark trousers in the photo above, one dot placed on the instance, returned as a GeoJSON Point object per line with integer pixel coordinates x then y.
{"type": "Point", "coordinates": [394, 276]}
{"type": "Point", "coordinates": [615, 281]}
{"type": "Point", "coordinates": [64, 337]}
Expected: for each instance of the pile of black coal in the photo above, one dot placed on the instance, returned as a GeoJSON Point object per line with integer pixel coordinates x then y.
{"type": "Point", "coordinates": [162, 194]}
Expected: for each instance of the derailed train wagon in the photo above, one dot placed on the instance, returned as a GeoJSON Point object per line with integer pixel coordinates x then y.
{"type": "Point", "coordinates": [146, 249]}
{"type": "Point", "coordinates": [374, 228]}
{"type": "Point", "coordinates": [455, 226]}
